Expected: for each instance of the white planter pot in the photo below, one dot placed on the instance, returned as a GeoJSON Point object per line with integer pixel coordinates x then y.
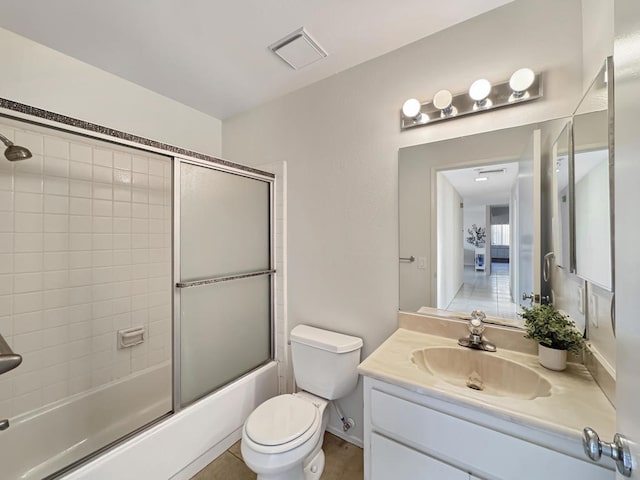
{"type": "Point", "coordinates": [552, 358]}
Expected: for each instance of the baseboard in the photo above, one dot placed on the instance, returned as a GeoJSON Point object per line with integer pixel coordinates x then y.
{"type": "Point", "coordinates": [338, 432]}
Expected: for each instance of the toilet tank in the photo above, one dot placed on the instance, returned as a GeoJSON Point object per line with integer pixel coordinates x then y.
{"type": "Point", "coordinates": [324, 362]}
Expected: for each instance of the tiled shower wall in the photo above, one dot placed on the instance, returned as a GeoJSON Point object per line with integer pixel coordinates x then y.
{"type": "Point", "coordinates": [85, 250]}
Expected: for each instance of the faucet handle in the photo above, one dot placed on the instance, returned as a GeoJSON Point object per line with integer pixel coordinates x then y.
{"type": "Point", "coordinates": [476, 325]}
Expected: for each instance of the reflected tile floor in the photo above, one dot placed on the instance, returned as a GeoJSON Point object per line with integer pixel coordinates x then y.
{"type": "Point", "coordinates": [490, 293]}
{"type": "Point", "coordinates": [344, 461]}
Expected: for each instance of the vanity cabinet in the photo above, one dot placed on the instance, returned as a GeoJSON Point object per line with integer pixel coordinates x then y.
{"type": "Point", "coordinates": [408, 435]}
{"type": "Point", "coordinates": [390, 459]}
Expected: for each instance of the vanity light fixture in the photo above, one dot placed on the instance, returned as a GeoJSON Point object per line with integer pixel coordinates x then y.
{"type": "Point", "coordinates": [482, 96]}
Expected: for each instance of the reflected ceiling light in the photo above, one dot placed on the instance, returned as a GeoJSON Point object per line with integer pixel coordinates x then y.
{"type": "Point", "coordinates": [443, 101]}
{"type": "Point", "coordinates": [482, 96]}
{"type": "Point", "coordinates": [520, 82]}
{"type": "Point", "coordinates": [481, 179]}
{"type": "Point", "coordinates": [479, 91]}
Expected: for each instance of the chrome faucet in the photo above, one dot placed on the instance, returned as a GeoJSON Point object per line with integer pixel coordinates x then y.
{"type": "Point", "coordinates": [476, 328]}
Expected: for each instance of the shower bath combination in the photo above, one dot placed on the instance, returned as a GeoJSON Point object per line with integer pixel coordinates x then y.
{"type": "Point", "coordinates": [14, 152]}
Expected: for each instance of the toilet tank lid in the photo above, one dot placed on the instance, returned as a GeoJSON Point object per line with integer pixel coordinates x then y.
{"type": "Point", "coordinates": [325, 339]}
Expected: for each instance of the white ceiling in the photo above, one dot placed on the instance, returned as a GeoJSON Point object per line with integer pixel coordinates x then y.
{"type": "Point", "coordinates": [494, 191]}
{"type": "Point", "coordinates": [212, 54]}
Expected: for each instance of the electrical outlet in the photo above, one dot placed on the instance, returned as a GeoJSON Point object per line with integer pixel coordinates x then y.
{"type": "Point", "coordinates": [580, 300]}
{"type": "Point", "coordinates": [593, 309]}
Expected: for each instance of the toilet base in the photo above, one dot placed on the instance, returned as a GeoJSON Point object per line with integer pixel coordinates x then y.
{"type": "Point", "coordinates": [314, 469]}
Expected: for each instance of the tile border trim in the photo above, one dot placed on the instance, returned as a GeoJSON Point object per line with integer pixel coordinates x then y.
{"type": "Point", "coordinates": [120, 135]}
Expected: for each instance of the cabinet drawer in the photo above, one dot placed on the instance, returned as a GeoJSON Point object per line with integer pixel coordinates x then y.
{"type": "Point", "coordinates": [392, 460]}
{"type": "Point", "coordinates": [478, 450]}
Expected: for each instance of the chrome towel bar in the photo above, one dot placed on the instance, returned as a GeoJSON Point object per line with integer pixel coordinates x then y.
{"type": "Point", "coordinates": [209, 281]}
{"type": "Point", "coordinates": [8, 359]}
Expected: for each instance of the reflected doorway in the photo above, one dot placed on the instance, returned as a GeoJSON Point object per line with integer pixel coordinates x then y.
{"type": "Point", "coordinates": [476, 225]}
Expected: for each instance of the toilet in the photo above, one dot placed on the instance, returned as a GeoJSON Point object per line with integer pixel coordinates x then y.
{"type": "Point", "coordinates": [282, 438]}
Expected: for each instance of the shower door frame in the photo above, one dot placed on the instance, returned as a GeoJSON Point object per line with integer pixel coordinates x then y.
{"type": "Point", "coordinates": [56, 122]}
{"type": "Point", "coordinates": [177, 317]}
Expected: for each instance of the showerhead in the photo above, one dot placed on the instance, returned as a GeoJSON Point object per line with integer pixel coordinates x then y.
{"type": "Point", "coordinates": [14, 152]}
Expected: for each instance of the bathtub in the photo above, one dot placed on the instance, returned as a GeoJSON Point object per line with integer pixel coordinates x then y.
{"type": "Point", "coordinates": [184, 443]}
{"type": "Point", "coordinates": [43, 441]}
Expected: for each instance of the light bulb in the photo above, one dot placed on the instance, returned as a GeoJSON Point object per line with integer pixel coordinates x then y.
{"type": "Point", "coordinates": [411, 108]}
{"type": "Point", "coordinates": [442, 99]}
{"type": "Point", "coordinates": [520, 81]}
{"type": "Point", "coordinates": [443, 102]}
{"type": "Point", "coordinates": [480, 90]}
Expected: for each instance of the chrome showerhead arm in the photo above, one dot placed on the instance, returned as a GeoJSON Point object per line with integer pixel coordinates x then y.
{"type": "Point", "coordinates": [6, 141]}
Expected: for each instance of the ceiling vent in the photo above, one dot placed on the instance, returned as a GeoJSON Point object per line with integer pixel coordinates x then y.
{"type": "Point", "coordinates": [298, 49]}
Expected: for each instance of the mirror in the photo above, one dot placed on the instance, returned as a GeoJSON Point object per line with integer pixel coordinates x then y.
{"type": "Point", "coordinates": [446, 208]}
{"type": "Point", "coordinates": [562, 201]}
{"type": "Point", "coordinates": [592, 193]}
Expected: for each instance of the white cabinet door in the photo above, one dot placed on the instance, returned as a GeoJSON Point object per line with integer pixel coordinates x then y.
{"type": "Point", "coordinates": [393, 460]}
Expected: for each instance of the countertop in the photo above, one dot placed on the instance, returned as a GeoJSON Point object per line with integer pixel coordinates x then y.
{"type": "Point", "coordinates": [575, 402]}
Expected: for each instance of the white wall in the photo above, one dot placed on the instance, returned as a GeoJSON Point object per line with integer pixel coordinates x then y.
{"type": "Point", "coordinates": [450, 255]}
{"type": "Point", "coordinates": [414, 222]}
{"type": "Point", "coordinates": [41, 77]}
{"type": "Point", "coordinates": [593, 239]}
{"type": "Point", "coordinates": [597, 37]}
{"type": "Point", "coordinates": [341, 136]}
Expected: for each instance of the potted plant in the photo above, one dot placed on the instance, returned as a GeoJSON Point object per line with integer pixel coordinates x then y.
{"type": "Point", "coordinates": [555, 333]}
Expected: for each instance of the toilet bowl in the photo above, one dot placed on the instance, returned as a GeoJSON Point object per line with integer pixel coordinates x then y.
{"type": "Point", "coordinates": [282, 438]}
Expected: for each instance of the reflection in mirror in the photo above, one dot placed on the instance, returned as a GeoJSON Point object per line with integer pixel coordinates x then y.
{"type": "Point", "coordinates": [453, 189]}
{"type": "Point", "coordinates": [592, 195]}
{"type": "Point", "coordinates": [562, 208]}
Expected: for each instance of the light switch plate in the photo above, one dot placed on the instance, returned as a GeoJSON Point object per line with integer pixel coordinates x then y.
{"type": "Point", "coordinates": [422, 262]}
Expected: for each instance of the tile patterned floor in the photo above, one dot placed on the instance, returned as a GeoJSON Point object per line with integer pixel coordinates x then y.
{"type": "Point", "coordinates": [490, 293]}
{"type": "Point", "coordinates": [344, 461]}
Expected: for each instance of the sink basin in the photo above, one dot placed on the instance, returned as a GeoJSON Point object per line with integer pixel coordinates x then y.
{"type": "Point", "coordinates": [481, 371]}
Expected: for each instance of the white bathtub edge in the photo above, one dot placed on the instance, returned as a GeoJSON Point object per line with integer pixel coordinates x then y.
{"type": "Point", "coordinates": [207, 457]}
{"type": "Point", "coordinates": [169, 447]}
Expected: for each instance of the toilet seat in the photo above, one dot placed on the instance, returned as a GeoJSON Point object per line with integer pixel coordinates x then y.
{"type": "Point", "coordinates": [282, 423]}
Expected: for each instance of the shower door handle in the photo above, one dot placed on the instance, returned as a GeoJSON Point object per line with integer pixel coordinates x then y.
{"type": "Point", "coordinates": [8, 359]}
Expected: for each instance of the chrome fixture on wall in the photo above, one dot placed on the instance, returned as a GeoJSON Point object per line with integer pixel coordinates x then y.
{"type": "Point", "coordinates": [523, 86]}
{"type": "Point", "coordinates": [14, 152]}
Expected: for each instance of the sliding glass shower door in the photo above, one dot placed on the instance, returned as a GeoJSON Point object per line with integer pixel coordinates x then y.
{"type": "Point", "coordinates": [223, 295]}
